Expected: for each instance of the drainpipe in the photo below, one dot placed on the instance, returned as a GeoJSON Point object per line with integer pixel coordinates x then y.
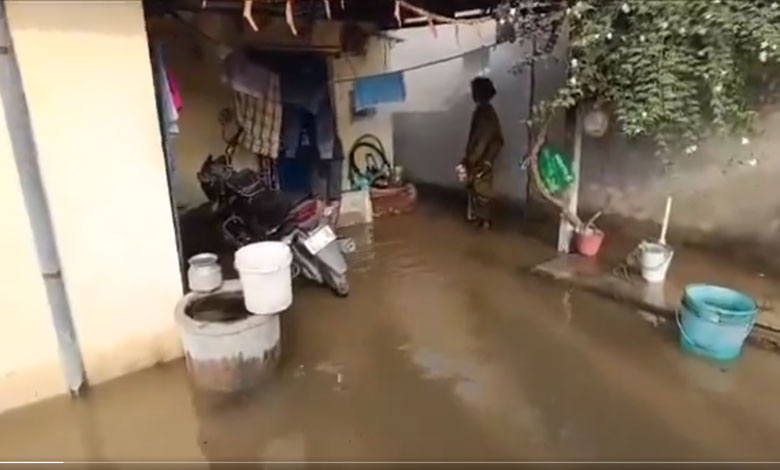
{"type": "Point", "coordinates": [26, 157]}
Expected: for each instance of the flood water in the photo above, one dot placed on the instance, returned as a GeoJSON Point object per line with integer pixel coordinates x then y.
{"type": "Point", "coordinates": [447, 349]}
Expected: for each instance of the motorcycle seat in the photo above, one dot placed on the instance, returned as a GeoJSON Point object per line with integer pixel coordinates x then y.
{"type": "Point", "coordinates": [245, 182]}
{"type": "Point", "coordinates": [272, 208]}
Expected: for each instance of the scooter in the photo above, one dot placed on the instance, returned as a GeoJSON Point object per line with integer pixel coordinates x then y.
{"type": "Point", "coordinates": [250, 213]}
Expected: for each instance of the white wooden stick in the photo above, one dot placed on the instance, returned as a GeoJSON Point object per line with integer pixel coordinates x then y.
{"type": "Point", "coordinates": [665, 225]}
{"type": "Point", "coordinates": [565, 229]}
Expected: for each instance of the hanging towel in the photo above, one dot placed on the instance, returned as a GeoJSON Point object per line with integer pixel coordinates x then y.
{"type": "Point", "coordinates": [257, 102]}
{"type": "Point", "coordinates": [261, 120]}
{"type": "Point", "coordinates": [385, 88]}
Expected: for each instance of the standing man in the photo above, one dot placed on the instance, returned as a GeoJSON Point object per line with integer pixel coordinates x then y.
{"type": "Point", "coordinates": [484, 144]}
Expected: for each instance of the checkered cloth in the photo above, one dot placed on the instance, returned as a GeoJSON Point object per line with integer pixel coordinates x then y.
{"type": "Point", "coordinates": [257, 99]}
{"type": "Point", "coordinates": [268, 172]}
{"type": "Point", "coordinates": [261, 119]}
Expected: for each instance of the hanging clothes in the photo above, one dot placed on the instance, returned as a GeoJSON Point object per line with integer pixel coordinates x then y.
{"type": "Point", "coordinates": [324, 128]}
{"type": "Point", "coordinates": [261, 121]}
{"type": "Point", "coordinates": [295, 173]}
{"type": "Point", "coordinates": [173, 87]}
{"type": "Point", "coordinates": [304, 79]}
{"type": "Point", "coordinates": [309, 140]}
{"type": "Point", "coordinates": [245, 74]}
{"type": "Point", "coordinates": [307, 172]}
{"type": "Point", "coordinates": [385, 88]}
{"type": "Point", "coordinates": [169, 113]}
{"type": "Point", "coordinates": [328, 174]}
{"type": "Point", "coordinates": [305, 92]}
{"type": "Point", "coordinates": [257, 103]}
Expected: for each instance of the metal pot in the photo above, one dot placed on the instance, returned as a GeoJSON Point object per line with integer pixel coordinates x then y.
{"type": "Point", "coordinates": [204, 273]}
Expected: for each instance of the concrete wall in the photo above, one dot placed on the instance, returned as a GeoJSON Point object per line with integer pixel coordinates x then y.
{"type": "Point", "coordinates": [719, 196]}
{"type": "Point", "coordinates": [431, 129]}
{"type": "Point", "coordinates": [87, 78]}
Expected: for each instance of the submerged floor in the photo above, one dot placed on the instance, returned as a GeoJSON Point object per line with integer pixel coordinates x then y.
{"type": "Point", "coordinates": [447, 349]}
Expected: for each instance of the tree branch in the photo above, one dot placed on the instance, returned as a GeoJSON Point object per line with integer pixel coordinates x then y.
{"type": "Point", "coordinates": [538, 142]}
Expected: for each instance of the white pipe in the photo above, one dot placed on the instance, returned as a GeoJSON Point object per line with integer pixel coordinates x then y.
{"type": "Point", "coordinates": [26, 158]}
{"type": "Point", "coordinates": [665, 225]}
{"type": "Point", "coordinates": [566, 229]}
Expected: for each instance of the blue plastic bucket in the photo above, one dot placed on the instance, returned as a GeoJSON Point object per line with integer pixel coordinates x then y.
{"type": "Point", "coordinates": [714, 321]}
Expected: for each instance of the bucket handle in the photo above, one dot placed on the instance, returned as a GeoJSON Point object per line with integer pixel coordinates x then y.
{"type": "Point", "coordinates": [700, 346]}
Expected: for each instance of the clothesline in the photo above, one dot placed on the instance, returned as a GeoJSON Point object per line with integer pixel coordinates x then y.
{"type": "Point", "coordinates": [355, 78]}
{"type": "Point", "coordinates": [415, 67]}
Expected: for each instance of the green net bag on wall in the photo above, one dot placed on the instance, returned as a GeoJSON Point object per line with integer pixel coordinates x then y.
{"type": "Point", "coordinates": [555, 168]}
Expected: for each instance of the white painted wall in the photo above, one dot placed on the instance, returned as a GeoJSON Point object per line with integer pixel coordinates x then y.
{"type": "Point", "coordinates": [29, 362]}
{"type": "Point", "coordinates": [87, 78]}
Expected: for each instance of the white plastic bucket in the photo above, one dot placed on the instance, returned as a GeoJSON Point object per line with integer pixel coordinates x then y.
{"type": "Point", "coordinates": [655, 259]}
{"type": "Point", "coordinates": [264, 271]}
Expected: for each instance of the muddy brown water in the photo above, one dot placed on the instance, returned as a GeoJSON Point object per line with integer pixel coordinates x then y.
{"type": "Point", "coordinates": [221, 308]}
{"type": "Point", "coordinates": [447, 349]}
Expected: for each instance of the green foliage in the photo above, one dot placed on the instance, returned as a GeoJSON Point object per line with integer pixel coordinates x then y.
{"type": "Point", "coordinates": [674, 70]}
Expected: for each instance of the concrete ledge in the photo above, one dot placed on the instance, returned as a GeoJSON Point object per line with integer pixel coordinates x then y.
{"type": "Point", "coordinates": [662, 300]}
{"type": "Point", "coordinates": [355, 209]}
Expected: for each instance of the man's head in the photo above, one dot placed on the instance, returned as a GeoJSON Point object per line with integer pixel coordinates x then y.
{"type": "Point", "coordinates": [482, 90]}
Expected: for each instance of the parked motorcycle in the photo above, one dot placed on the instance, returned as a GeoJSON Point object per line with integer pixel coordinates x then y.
{"type": "Point", "coordinates": [249, 212]}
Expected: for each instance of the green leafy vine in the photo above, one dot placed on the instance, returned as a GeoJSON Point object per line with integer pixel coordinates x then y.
{"type": "Point", "coordinates": [673, 70]}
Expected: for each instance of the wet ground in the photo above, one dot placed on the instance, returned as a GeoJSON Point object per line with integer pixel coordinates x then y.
{"type": "Point", "coordinates": [447, 349]}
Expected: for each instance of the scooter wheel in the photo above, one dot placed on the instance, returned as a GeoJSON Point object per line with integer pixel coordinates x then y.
{"type": "Point", "coordinates": [295, 270]}
{"type": "Point", "coordinates": [340, 286]}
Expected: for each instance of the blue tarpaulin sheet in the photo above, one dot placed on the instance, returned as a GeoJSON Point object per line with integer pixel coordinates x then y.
{"type": "Point", "coordinates": [372, 91]}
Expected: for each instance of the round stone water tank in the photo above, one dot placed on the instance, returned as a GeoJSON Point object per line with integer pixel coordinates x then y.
{"type": "Point", "coordinates": [227, 349]}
